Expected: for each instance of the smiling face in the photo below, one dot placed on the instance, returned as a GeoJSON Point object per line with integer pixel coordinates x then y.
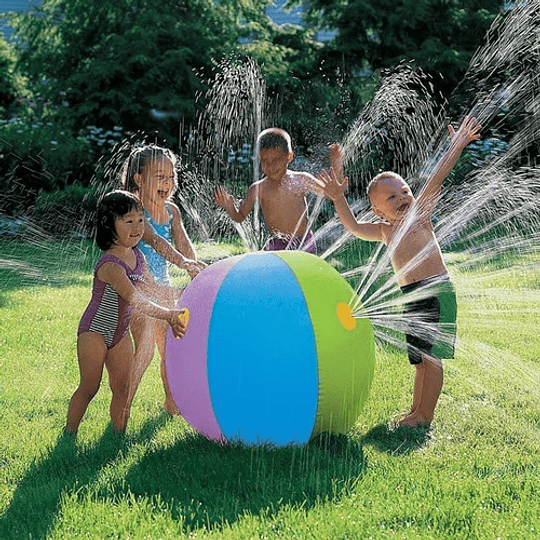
{"type": "Point", "coordinates": [274, 162]}
{"type": "Point", "coordinates": [129, 229]}
{"type": "Point", "coordinates": [391, 198]}
{"type": "Point", "coordinates": [157, 181]}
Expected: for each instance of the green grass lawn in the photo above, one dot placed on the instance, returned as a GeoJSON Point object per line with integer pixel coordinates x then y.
{"type": "Point", "coordinates": [473, 475]}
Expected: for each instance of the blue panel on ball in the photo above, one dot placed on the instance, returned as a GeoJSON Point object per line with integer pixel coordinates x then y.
{"type": "Point", "coordinates": [262, 357]}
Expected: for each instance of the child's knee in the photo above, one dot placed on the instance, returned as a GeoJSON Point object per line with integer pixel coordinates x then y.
{"type": "Point", "coordinates": [87, 393]}
{"type": "Point", "coordinates": [431, 360]}
{"type": "Point", "coordinates": [120, 388]}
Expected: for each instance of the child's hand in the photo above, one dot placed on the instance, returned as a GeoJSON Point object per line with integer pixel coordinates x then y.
{"type": "Point", "coordinates": [179, 320]}
{"type": "Point", "coordinates": [333, 189]}
{"type": "Point", "coordinates": [223, 199]}
{"type": "Point", "coordinates": [193, 267]}
{"type": "Point", "coordinates": [468, 131]}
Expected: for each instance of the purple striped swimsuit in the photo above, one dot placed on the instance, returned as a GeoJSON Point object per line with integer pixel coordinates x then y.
{"type": "Point", "coordinates": [108, 313]}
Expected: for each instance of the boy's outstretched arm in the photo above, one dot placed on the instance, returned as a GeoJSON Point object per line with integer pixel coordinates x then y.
{"type": "Point", "coordinates": [335, 191]}
{"type": "Point", "coordinates": [468, 131]}
{"type": "Point", "coordinates": [224, 200]}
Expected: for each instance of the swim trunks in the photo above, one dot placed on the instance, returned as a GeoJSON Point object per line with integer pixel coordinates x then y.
{"type": "Point", "coordinates": [108, 313]}
{"type": "Point", "coordinates": [430, 318]}
{"type": "Point", "coordinates": [277, 243]}
{"type": "Point", "coordinates": [156, 263]}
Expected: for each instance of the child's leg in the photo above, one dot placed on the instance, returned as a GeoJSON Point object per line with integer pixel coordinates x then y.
{"type": "Point", "coordinates": [142, 329]}
{"type": "Point", "coordinates": [418, 386]}
{"type": "Point", "coordinates": [91, 353]}
{"type": "Point", "coordinates": [161, 340]}
{"type": "Point", "coordinates": [119, 364]}
{"type": "Point", "coordinates": [429, 395]}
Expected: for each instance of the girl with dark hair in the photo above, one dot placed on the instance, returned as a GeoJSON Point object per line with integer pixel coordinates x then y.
{"type": "Point", "coordinates": [103, 337]}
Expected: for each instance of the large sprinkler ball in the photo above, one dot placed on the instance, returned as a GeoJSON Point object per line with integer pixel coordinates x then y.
{"type": "Point", "coordinates": [271, 353]}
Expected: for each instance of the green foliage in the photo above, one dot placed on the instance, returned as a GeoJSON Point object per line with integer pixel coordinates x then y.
{"type": "Point", "coordinates": [477, 155]}
{"type": "Point", "coordinates": [11, 86]}
{"type": "Point", "coordinates": [140, 66]}
{"type": "Point", "coordinates": [43, 162]}
{"type": "Point", "coordinates": [441, 36]}
{"type": "Point", "coordinates": [127, 62]}
{"type": "Point", "coordinates": [67, 212]}
{"type": "Point", "coordinates": [38, 157]}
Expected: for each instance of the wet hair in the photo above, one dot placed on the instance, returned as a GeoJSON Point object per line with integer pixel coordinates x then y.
{"type": "Point", "coordinates": [372, 186]}
{"type": "Point", "coordinates": [110, 207]}
{"type": "Point", "coordinates": [139, 158]}
{"type": "Point", "coordinates": [274, 138]}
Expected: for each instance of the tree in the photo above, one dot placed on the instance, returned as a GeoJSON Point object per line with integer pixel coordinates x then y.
{"type": "Point", "coordinates": [439, 35]}
{"type": "Point", "coordinates": [131, 63]}
{"type": "Point", "coordinates": [10, 86]}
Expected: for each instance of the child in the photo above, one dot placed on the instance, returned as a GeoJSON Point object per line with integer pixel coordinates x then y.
{"type": "Point", "coordinates": [150, 173]}
{"type": "Point", "coordinates": [281, 194]}
{"type": "Point", "coordinates": [103, 337]}
{"type": "Point", "coordinates": [417, 261]}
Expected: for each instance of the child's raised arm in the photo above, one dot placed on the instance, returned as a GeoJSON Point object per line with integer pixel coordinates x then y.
{"type": "Point", "coordinates": [469, 131]}
{"type": "Point", "coordinates": [335, 191]}
{"type": "Point", "coordinates": [224, 199]}
{"type": "Point", "coordinates": [336, 155]}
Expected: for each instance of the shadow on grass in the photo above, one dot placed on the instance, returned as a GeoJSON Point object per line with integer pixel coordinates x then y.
{"type": "Point", "coordinates": [200, 481]}
{"type": "Point", "coordinates": [400, 441]}
{"type": "Point", "coordinates": [36, 501]}
{"type": "Point", "coordinates": [205, 484]}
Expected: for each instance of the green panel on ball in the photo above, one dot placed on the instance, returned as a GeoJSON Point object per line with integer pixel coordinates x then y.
{"type": "Point", "coordinates": [346, 357]}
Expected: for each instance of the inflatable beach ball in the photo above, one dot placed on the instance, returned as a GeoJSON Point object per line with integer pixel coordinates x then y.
{"type": "Point", "coordinates": [271, 353]}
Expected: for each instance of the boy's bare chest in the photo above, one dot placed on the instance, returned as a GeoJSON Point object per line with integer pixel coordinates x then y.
{"type": "Point", "coordinates": [284, 210]}
{"type": "Point", "coordinates": [407, 244]}
{"type": "Point", "coordinates": [282, 198]}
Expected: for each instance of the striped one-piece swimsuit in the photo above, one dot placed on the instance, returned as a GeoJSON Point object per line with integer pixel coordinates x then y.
{"type": "Point", "coordinates": [108, 313]}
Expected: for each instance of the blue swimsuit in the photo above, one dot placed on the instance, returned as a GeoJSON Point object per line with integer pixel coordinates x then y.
{"type": "Point", "coordinates": [156, 263]}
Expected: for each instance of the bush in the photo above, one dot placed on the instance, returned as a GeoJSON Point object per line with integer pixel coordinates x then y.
{"type": "Point", "coordinates": [67, 212]}
{"type": "Point", "coordinates": [40, 158]}
{"type": "Point", "coordinates": [11, 85]}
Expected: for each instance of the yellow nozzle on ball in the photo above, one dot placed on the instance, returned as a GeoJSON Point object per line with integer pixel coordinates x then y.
{"type": "Point", "coordinates": [184, 317]}
{"type": "Point", "coordinates": [345, 317]}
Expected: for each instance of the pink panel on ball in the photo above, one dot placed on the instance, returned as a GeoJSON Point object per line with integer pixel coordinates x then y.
{"type": "Point", "coordinates": [188, 380]}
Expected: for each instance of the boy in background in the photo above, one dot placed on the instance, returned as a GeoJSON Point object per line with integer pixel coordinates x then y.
{"type": "Point", "coordinates": [281, 194]}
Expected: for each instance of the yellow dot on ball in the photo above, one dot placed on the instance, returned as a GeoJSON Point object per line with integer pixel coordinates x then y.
{"type": "Point", "coordinates": [184, 316]}
{"type": "Point", "coordinates": [345, 316]}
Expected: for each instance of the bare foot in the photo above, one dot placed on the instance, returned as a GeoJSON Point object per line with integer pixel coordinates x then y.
{"type": "Point", "coordinates": [414, 420]}
{"type": "Point", "coordinates": [401, 416]}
